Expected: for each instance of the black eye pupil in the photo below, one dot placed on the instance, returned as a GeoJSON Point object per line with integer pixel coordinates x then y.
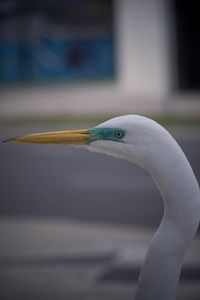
{"type": "Point", "coordinates": [119, 134]}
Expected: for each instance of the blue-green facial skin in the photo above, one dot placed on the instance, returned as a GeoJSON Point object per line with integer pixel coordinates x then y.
{"type": "Point", "coordinates": [108, 134]}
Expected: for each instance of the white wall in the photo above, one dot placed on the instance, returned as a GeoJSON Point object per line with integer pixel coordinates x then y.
{"type": "Point", "coordinates": [143, 47]}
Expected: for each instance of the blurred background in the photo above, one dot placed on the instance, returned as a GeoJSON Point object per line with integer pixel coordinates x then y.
{"type": "Point", "coordinates": [75, 224]}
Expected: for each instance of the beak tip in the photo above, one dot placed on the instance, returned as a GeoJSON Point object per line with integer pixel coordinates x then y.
{"type": "Point", "coordinates": [8, 140]}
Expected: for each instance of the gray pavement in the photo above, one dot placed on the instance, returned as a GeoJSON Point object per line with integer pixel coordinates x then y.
{"type": "Point", "coordinates": [43, 258]}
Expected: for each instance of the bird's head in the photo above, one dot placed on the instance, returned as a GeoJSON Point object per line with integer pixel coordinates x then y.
{"type": "Point", "coordinates": [129, 137]}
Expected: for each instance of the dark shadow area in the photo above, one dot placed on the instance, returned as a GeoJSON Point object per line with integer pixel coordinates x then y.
{"type": "Point", "coordinates": [187, 21]}
{"type": "Point", "coordinates": [130, 274]}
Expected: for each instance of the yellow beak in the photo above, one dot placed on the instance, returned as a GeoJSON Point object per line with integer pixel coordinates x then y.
{"type": "Point", "coordinates": [73, 137]}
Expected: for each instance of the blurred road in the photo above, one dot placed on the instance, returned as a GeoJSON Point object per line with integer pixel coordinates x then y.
{"type": "Point", "coordinates": [55, 259]}
{"type": "Point", "coordinates": [57, 180]}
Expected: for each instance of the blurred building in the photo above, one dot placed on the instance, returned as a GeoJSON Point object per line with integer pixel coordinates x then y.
{"type": "Point", "coordinates": [108, 55]}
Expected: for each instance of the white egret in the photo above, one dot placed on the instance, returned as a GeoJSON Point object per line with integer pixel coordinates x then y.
{"type": "Point", "coordinates": [146, 143]}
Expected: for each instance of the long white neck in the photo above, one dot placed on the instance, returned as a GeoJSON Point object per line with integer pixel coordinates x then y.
{"type": "Point", "coordinates": [175, 179]}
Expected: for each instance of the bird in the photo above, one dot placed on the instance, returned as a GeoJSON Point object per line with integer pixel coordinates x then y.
{"type": "Point", "coordinates": [146, 143]}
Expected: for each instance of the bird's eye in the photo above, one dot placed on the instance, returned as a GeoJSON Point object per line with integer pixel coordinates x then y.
{"type": "Point", "coordinates": [119, 134]}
